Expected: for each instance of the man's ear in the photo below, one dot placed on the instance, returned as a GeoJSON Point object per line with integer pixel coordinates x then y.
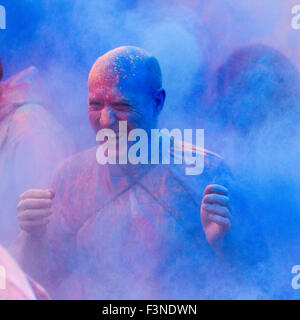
{"type": "Point", "coordinates": [160, 98]}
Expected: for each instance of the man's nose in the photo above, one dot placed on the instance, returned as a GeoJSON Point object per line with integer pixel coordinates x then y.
{"type": "Point", "coordinates": [107, 118]}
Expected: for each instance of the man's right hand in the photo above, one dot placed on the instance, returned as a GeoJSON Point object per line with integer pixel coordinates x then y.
{"type": "Point", "coordinates": [34, 210]}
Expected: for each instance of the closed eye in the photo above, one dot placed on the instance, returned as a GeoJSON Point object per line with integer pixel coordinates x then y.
{"type": "Point", "coordinates": [121, 106]}
{"type": "Point", "coordinates": [95, 106]}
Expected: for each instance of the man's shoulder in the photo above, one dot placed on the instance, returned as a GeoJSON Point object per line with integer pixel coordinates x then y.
{"type": "Point", "coordinates": [216, 165]}
{"type": "Point", "coordinates": [80, 160]}
{"type": "Point", "coordinates": [212, 161]}
{"type": "Point", "coordinates": [78, 164]}
{"type": "Point", "coordinates": [215, 170]}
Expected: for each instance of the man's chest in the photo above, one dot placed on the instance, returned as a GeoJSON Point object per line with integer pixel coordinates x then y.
{"type": "Point", "coordinates": [144, 217]}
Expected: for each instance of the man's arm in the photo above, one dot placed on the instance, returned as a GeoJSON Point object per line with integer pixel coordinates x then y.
{"type": "Point", "coordinates": [46, 243]}
{"type": "Point", "coordinates": [238, 233]}
{"type": "Point", "coordinates": [217, 206]}
{"type": "Point", "coordinates": [31, 247]}
{"type": "Point", "coordinates": [216, 215]}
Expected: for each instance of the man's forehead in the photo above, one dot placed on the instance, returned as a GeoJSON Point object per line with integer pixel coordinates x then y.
{"type": "Point", "coordinates": [105, 91]}
{"type": "Point", "coordinates": [104, 85]}
{"type": "Point", "coordinates": [114, 93]}
{"type": "Point", "coordinates": [114, 74]}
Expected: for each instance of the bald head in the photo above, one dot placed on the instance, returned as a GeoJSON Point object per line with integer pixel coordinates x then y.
{"type": "Point", "coordinates": [128, 68]}
{"type": "Point", "coordinates": [125, 84]}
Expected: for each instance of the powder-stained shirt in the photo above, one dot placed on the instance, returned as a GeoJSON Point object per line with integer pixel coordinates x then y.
{"type": "Point", "coordinates": [134, 241]}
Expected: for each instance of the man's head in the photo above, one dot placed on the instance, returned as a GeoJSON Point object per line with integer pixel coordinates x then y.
{"type": "Point", "coordinates": [125, 84]}
{"type": "Point", "coordinates": [255, 86]}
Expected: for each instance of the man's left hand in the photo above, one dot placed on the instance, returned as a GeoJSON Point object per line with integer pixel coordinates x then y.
{"type": "Point", "coordinates": [216, 215]}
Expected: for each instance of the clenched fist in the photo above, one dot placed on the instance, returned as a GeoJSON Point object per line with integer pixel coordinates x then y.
{"type": "Point", "coordinates": [216, 215]}
{"type": "Point", "coordinates": [34, 210]}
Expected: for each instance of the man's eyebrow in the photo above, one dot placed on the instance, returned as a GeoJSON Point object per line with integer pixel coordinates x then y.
{"type": "Point", "coordinates": [94, 101]}
{"type": "Point", "coordinates": [121, 101]}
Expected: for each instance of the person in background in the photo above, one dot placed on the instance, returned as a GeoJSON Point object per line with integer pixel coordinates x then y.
{"type": "Point", "coordinates": [257, 117]}
{"type": "Point", "coordinates": [256, 87]}
{"type": "Point", "coordinates": [32, 144]}
{"type": "Point", "coordinates": [15, 284]}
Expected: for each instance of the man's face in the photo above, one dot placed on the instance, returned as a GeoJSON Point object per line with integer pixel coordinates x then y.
{"type": "Point", "coordinates": [112, 100]}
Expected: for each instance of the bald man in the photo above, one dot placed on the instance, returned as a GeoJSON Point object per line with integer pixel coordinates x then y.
{"type": "Point", "coordinates": [125, 231]}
